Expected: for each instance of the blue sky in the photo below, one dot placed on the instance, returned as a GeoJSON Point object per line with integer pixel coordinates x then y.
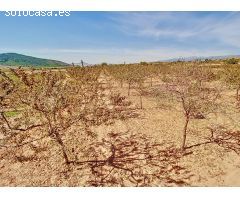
{"type": "Point", "coordinates": [115, 37]}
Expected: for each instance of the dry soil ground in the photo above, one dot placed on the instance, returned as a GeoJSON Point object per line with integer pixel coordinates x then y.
{"type": "Point", "coordinates": [210, 164]}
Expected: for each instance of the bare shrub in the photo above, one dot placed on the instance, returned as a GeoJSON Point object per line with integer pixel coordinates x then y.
{"type": "Point", "coordinates": [189, 87]}
{"type": "Point", "coordinates": [55, 102]}
{"type": "Point", "coordinates": [231, 76]}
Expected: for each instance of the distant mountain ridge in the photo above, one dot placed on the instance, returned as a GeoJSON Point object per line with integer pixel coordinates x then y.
{"type": "Point", "coordinates": [192, 58]}
{"type": "Point", "coordinates": [14, 59]}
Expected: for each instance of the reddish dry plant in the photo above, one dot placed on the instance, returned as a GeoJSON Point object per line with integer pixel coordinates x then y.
{"type": "Point", "coordinates": [189, 87]}
{"type": "Point", "coordinates": [53, 104]}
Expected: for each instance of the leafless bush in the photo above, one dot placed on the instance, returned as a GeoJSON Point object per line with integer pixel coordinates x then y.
{"type": "Point", "coordinates": [56, 101]}
{"type": "Point", "coordinates": [189, 87]}
{"type": "Point", "coordinates": [231, 76]}
{"type": "Point", "coordinates": [56, 105]}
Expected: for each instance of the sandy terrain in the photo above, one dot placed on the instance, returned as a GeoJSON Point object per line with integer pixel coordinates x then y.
{"type": "Point", "coordinates": [209, 164]}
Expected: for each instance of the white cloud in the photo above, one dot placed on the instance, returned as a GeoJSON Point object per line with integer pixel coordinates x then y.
{"type": "Point", "coordinates": [229, 32]}
{"type": "Point", "coordinates": [181, 26]}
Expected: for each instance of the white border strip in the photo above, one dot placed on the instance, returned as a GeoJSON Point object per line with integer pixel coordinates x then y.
{"type": "Point", "coordinates": [185, 193]}
{"type": "Point", "coordinates": [121, 5]}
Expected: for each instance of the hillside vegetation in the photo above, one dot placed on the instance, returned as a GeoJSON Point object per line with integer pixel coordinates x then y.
{"type": "Point", "coordinates": [14, 59]}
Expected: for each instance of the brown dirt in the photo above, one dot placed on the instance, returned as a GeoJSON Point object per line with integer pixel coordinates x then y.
{"type": "Point", "coordinates": [210, 164]}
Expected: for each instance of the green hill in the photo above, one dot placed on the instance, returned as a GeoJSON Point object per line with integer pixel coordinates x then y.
{"type": "Point", "coordinates": [14, 59]}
